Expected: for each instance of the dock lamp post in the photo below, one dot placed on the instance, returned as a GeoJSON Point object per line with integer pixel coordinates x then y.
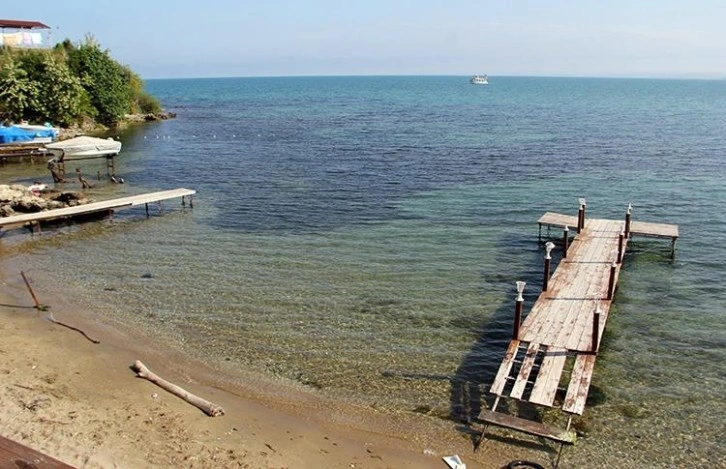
{"type": "Point", "coordinates": [548, 258]}
{"type": "Point", "coordinates": [628, 216]}
{"type": "Point", "coordinates": [518, 310]}
{"type": "Point", "coordinates": [581, 215]}
{"type": "Point", "coordinates": [565, 241]}
{"type": "Point", "coordinates": [596, 329]}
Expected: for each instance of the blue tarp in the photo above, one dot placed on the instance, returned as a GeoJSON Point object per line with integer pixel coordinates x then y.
{"type": "Point", "coordinates": [16, 134]}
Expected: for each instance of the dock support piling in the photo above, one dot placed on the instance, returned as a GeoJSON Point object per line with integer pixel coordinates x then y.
{"type": "Point", "coordinates": [518, 310]}
{"type": "Point", "coordinates": [147, 209]}
{"type": "Point", "coordinates": [579, 220]}
{"type": "Point", "coordinates": [595, 329]}
{"type": "Point", "coordinates": [673, 247]}
{"type": "Point", "coordinates": [565, 241]}
{"type": "Point", "coordinates": [621, 238]}
{"type": "Point", "coordinates": [611, 282]}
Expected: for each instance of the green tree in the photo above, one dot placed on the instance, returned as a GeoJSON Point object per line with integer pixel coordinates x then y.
{"type": "Point", "coordinates": [64, 99]}
{"type": "Point", "coordinates": [17, 91]}
{"type": "Point", "coordinates": [69, 84]}
{"type": "Point", "coordinates": [104, 80]}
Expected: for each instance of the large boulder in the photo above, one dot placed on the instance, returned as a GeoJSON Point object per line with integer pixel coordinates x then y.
{"type": "Point", "coordinates": [16, 198]}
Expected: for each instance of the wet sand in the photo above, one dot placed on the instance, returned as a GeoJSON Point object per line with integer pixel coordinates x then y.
{"type": "Point", "coordinates": [80, 402]}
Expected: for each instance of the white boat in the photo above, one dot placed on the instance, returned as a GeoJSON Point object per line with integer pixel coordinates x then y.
{"type": "Point", "coordinates": [479, 80]}
{"type": "Point", "coordinates": [80, 148]}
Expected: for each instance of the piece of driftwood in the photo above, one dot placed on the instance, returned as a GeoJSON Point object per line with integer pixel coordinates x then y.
{"type": "Point", "coordinates": [213, 410]}
{"type": "Point", "coordinates": [55, 321]}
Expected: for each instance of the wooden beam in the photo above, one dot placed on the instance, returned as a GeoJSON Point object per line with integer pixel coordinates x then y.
{"type": "Point", "coordinates": [527, 426]}
{"type": "Point", "coordinates": [14, 454]}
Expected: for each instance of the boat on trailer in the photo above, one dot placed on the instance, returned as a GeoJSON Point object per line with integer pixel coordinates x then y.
{"type": "Point", "coordinates": [80, 148]}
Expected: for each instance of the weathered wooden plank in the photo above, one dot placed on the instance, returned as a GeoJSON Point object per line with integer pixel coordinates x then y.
{"type": "Point", "coordinates": [527, 426]}
{"type": "Point", "coordinates": [14, 454]}
{"type": "Point", "coordinates": [558, 315]}
{"type": "Point", "coordinates": [524, 371]}
{"type": "Point", "coordinates": [579, 386]}
{"type": "Point", "coordinates": [548, 378]}
{"type": "Point", "coordinates": [580, 337]}
{"type": "Point", "coordinates": [558, 219]}
{"type": "Point", "coordinates": [656, 230]}
{"type": "Point", "coordinates": [501, 379]}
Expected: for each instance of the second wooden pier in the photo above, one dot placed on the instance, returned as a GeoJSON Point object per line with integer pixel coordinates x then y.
{"type": "Point", "coordinates": [107, 206]}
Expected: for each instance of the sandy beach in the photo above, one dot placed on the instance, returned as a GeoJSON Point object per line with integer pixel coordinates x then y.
{"type": "Point", "coordinates": [79, 402]}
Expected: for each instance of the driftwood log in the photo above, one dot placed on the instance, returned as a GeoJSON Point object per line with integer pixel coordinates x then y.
{"type": "Point", "coordinates": [213, 410]}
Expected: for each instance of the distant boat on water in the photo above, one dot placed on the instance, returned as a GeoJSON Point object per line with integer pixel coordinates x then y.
{"type": "Point", "coordinates": [479, 80]}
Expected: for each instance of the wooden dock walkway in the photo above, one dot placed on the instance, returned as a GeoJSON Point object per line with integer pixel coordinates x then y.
{"type": "Point", "coordinates": [97, 207]}
{"type": "Point", "coordinates": [550, 359]}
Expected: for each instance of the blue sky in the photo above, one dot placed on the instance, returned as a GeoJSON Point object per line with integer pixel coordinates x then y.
{"type": "Point", "coordinates": [182, 38]}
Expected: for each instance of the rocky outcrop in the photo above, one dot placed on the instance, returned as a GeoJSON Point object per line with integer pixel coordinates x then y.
{"type": "Point", "coordinates": [16, 199]}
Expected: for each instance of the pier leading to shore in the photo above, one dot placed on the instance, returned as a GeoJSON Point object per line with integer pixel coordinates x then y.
{"type": "Point", "coordinates": [104, 207]}
{"type": "Point", "coordinates": [551, 356]}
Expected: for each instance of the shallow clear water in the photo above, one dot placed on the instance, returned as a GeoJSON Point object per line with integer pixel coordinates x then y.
{"type": "Point", "coordinates": [362, 235]}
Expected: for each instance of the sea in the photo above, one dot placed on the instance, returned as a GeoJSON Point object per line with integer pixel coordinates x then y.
{"type": "Point", "coordinates": [361, 237]}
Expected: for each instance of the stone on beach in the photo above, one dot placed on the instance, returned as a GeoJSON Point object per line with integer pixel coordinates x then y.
{"type": "Point", "coordinates": [17, 198]}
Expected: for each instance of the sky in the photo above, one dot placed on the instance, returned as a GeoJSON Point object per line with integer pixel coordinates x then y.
{"type": "Point", "coordinates": [226, 38]}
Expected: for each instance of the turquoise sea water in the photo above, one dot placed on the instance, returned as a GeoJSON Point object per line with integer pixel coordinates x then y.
{"type": "Point", "coordinates": [362, 236]}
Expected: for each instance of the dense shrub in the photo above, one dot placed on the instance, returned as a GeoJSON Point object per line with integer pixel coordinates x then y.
{"type": "Point", "coordinates": [69, 84]}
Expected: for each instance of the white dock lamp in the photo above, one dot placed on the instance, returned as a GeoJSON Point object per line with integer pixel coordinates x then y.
{"type": "Point", "coordinates": [520, 290]}
{"type": "Point", "coordinates": [518, 310]}
{"type": "Point", "coordinates": [548, 258]}
{"type": "Point", "coordinates": [548, 249]}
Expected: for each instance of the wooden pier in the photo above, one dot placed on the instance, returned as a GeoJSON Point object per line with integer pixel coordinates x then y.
{"type": "Point", "coordinates": [550, 359]}
{"type": "Point", "coordinates": [106, 206]}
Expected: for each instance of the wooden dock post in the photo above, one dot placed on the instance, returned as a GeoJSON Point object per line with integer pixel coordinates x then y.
{"type": "Point", "coordinates": [579, 220]}
{"type": "Point", "coordinates": [621, 238]}
{"type": "Point", "coordinates": [565, 241]}
{"type": "Point", "coordinates": [595, 329]}
{"type": "Point", "coordinates": [548, 258]}
{"type": "Point", "coordinates": [518, 310]}
{"type": "Point", "coordinates": [628, 215]}
{"type": "Point", "coordinates": [611, 282]}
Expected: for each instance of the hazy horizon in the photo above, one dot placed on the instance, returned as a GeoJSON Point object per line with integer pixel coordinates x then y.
{"type": "Point", "coordinates": [225, 38]}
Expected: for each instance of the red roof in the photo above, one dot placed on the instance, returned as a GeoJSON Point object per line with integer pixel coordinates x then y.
{"type": "Point", "coordinates": [22, 24]}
